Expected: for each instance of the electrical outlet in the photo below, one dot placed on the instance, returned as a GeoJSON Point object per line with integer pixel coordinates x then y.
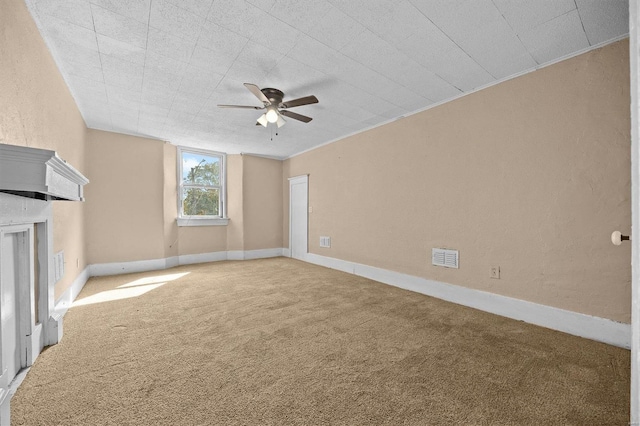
{"type": "Point", "coordinates": [495, 272]}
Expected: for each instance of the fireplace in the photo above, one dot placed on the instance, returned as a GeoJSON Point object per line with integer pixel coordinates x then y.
{"type": "Point", "coordinates": [30, 180]}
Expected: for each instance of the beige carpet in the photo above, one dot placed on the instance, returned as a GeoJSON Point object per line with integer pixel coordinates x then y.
{"type": "Point", "coordinates": [278, 342]}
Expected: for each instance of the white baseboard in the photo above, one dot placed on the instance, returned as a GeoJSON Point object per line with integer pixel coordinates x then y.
{"type": "Point", "coordinates": [64, 301]}
{"type": "Point", "coordinates": [253, 254]}
{"type": "Point", "coordinates": [230, 255]}
{"type": "Point", "coordinates": [116, 268]}
{"type": "Point", "coordinates": [172, 261]}
{"type": "Point", "coordinates": [587, 326]}
{"type": "Point", "coordinates": [189, 259]}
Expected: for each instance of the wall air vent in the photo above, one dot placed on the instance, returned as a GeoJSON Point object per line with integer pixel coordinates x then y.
{"type": "Point", "coordinates": [443, 257]}
{"type": "Point", "coordinates": [39, 173]}
{"type": "Point", "coordinates": [325, 242]}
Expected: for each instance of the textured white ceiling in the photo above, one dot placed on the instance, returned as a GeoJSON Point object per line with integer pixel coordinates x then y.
{"type": "Point", "coordinates": [158, 68]}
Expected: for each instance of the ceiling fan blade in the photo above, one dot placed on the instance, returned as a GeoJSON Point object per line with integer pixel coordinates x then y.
{"type": "Point", "coordinates": [263, 120]}
{"type": "Point", "coordinates": [281, 121]}
{"type": "Point", "coordinates": [257, 92]}
{"type": "Point", "coordinates": [240, 106]}
{"type": "Point", "coordinates": [296, 116]}
{"type": "Point", "coordinates": [307, 100]}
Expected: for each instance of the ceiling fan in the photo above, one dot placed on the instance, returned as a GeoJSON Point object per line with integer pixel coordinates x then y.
{"type": "Point", "coordinates": [272, 100]}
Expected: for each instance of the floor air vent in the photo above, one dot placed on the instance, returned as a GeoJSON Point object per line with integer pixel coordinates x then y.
{"type": "Point", "coordinates": [443, 257]}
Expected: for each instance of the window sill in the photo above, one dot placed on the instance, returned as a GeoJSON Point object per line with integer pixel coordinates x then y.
{"type": "Point", "coordinates": [197, 221]}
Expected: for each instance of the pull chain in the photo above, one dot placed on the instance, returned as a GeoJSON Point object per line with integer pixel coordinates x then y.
{"type": "Point", "coordinates": [271, 129]}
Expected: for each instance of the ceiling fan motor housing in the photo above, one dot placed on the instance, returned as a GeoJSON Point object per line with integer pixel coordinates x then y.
{"type": "Point", "coordinates": [275, 96]}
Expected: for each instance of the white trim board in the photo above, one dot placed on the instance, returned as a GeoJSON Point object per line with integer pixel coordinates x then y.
{"type": "Point", "coordinates": [254, 254]}
{"type": "Point", "coordinates": [577, 324]}
{"type": "Point", "coordinates": [66, 299]}
{"type": "Point", "coordinates": [634, 65]}
{"type": "Point", "coordinates": [116, 268]}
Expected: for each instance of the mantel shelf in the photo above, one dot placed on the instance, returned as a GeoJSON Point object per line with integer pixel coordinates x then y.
{"type": "Point", "coordinates": [39, 173]}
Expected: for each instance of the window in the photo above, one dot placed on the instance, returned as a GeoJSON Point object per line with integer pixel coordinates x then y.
{"type": "Point", "coordinates": [201, 188]}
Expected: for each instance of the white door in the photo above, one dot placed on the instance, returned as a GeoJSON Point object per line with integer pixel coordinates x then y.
{"type": "Point", "coordinates": [298, 219]}
{"type": "Point", "coordinates": [9, 270]}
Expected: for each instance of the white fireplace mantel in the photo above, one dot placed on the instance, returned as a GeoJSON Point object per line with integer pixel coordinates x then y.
{"type": "Point", "coordinates": [30, 180]}
{"type": "Point", "coordinates": [39, 173]}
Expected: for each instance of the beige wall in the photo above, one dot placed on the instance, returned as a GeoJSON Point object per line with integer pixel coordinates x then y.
{"type": "Point", "coordinates": [262, 195]}
{"type": "Point", "coordinates": [235, 229]}
{"type": "Point", "coordinates": [254, 202]}
{"type": "Point", "coordinates": [37, 110]}
{"type": "Point", "coordinates": [132, 203]}
{"type": "Point", "coordinates": [531, 175]}
{"type": "Point", "coordinates": [125, 201]}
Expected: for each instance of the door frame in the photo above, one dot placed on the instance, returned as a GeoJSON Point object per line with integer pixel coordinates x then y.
{"type": "Point", "coordinates": [296, 180]}
{"type": "Point", "coordinates": [634, 66]}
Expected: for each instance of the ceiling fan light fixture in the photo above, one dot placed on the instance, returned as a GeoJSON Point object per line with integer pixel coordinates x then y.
{"type": "Point", "coordinates": [272, 115]}
{"type": "Point", "coordinates": [272, 100]}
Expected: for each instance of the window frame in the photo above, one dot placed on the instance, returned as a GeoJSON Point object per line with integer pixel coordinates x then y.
{"type": "Point", "coordinates": [203, 220]}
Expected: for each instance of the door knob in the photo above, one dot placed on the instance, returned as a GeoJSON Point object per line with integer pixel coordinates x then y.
{"type": "Point", "coordinates": [617, 238]}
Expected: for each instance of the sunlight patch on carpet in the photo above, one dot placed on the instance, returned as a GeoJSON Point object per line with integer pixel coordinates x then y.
{"type": "Point", "coordinates": [117, 294]}
{"type": "Point", "coordinates": [154, 279]}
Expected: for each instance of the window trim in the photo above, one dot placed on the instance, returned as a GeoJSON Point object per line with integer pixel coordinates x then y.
{"type": "Point", "coordinates": [204, 220]}
{"type": "Point", "coordinates": [199, 221]}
